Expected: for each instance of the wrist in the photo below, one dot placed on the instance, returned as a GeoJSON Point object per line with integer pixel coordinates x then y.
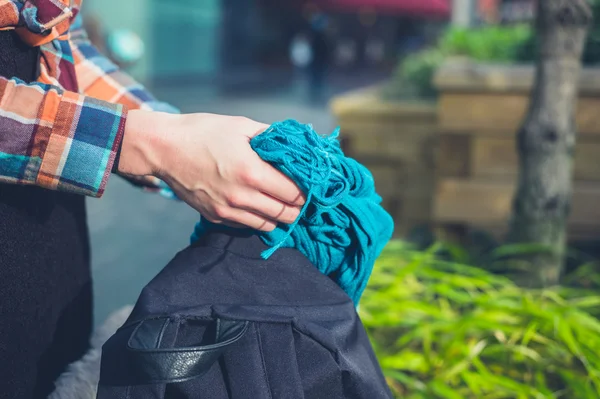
{"type": "Point", "coordinates": [141, 144]}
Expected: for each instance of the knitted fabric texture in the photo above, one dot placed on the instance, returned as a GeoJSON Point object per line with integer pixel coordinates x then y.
{"type": "Point", "coordinates": [342, 228]}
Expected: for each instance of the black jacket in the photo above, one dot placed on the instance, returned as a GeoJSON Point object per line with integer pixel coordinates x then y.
{"type": "Point", "coordinates": [242, 328]}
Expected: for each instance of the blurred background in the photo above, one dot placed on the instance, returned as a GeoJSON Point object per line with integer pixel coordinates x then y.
{"type": "Point", "coordinates": [430, 95]}
{"type": "Point", "coordinates": [264, 59]}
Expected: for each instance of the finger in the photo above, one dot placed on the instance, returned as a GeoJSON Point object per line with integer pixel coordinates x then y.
{"type": "Point", "coordinates": [268, 207]}
{"type": "Point", "coordinates": [272, 182]}
{"type": "Point", "coordinates": [249, 220]}
{"type": "Point", "coordinates": [232, 225]}
{"type": "Point", "coordinates": [220, 222]}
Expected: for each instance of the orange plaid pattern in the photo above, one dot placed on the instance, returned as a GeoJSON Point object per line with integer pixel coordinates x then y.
{"type": "Point", "coordinates": [66, 139]}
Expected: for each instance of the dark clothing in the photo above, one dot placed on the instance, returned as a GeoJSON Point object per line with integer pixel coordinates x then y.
{"type": "Point", "coordinates": [320, 48]}
{"type": "Point", "coordinates": [320, 62]}
{"type": "Point", "coordinates": [220, 322]}
{"type": "Point", "coordinates": [45, 281]}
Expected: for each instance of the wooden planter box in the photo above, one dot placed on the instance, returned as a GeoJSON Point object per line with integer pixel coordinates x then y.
{"type": "Point", "coordinates": [480, 109]}
{"type": "Point", "coordinates": [396, 141]}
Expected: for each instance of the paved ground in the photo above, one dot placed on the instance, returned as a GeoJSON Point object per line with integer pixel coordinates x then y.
{"type": "Point", "coordinates": [135, 234]}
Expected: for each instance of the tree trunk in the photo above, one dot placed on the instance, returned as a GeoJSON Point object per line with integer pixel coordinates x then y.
{"type": "Point", "coordinates": [546, 141]}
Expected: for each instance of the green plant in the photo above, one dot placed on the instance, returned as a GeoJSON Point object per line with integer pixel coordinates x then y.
{"type": "Point", "coordinates": [415, 74]}
{"type": "Point", "coordinates": [445, 330]}
{"type": "Point", "coordinates": [488, 44]}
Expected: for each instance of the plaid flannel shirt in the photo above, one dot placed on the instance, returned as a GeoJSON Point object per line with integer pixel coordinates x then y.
{"type": "Point", "coordinates": [66, 140]}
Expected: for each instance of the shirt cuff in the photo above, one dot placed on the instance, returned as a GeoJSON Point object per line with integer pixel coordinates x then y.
{"type": "Point", "coordinates": [115, 166]}
{"type": "Point", "coordinates": [83, 137]}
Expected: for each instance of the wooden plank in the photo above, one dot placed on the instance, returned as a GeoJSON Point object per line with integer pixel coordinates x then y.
{"type": "Point", "coordinates": [587, 161]}
{"type": "Point", "coordinates": [496, 157]}
{"type": "Point", "coordinates": [492, 113]}
{"type": "Point", "coordinates": [470, 76]}
{"type": "Point", "coordinates": [369, 103]}
{"type": "Point", "coordinates": [397, 142]}
{"type": "Point", "coordinates": [477, 201]}
{"type": "Point", "coordinates": [479, 112]}
{"type": "Point", "coordinates": [453, 155]}
{"type": "Point", "coordinates": [399, 181]}
{"type": "Point", "coordinates": [411, 145]}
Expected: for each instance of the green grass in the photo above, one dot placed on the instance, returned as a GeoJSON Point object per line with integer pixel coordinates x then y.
{"type": "Point", "coordinates": [447, 330]}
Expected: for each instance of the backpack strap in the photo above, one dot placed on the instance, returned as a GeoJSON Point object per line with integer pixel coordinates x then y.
{"type": "Point", "coordinates": [147, 363]}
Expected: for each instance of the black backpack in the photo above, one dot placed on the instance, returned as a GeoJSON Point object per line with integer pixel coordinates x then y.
{"type": "Point", "coordinates": [219, 322]}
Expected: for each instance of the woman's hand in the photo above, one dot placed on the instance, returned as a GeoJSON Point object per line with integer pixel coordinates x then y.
{"type": "Point", "coordinates": [207, 160]}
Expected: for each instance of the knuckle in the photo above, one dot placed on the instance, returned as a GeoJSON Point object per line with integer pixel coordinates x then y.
{"type": "Point", "coordinates": [241, 119]}
{"type": "Point", "coordinates": [250, 176]}
{"type": "Point", "coordinates": [222, 212]}
{"type": "Point", "coordinates": [266, 226]}
{"type": "Point", "coordinates": [234, 199]}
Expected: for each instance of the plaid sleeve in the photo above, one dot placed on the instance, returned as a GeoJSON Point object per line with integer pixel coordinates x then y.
{"type": "Point", "coordinates": [100, 78]}
{"type": "Point", "coordinates": [57, 139]}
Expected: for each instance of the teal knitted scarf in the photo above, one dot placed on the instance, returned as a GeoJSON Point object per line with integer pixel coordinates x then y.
{"type": "Point", "coordinates": [342, 227]}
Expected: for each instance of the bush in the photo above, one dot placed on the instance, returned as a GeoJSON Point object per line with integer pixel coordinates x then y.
{"type": "Point", "coordinates": [445, 330]}
{"type": "Point", "coordinates": [489, 44]}
{"type": "Point", "coordinates": [414, 76]}
{"type": "Point", "coordinates": [500, 44]}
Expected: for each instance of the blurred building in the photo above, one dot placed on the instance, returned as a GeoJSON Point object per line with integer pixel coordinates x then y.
{"type": "Point", "coordinates": [488, 11]}
{"type": "Point", "coordinates": [184, 37]}
{"type": "Point", "coordinates": [181, 37]}
{"type": "Point", "coordinates": [512, 11]}
{"type": "Point", "coordinates": [363, 32]}
{"type": "Point", "coordinates": [469, 13]}
{"type": "Point", "coordinates": [505, 11]}
{"type": "Point", "coordinates": [187, 38]}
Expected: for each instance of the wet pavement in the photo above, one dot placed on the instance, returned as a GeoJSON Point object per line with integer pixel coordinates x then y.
{"type": "Point", "coordinates": [134, 234]}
